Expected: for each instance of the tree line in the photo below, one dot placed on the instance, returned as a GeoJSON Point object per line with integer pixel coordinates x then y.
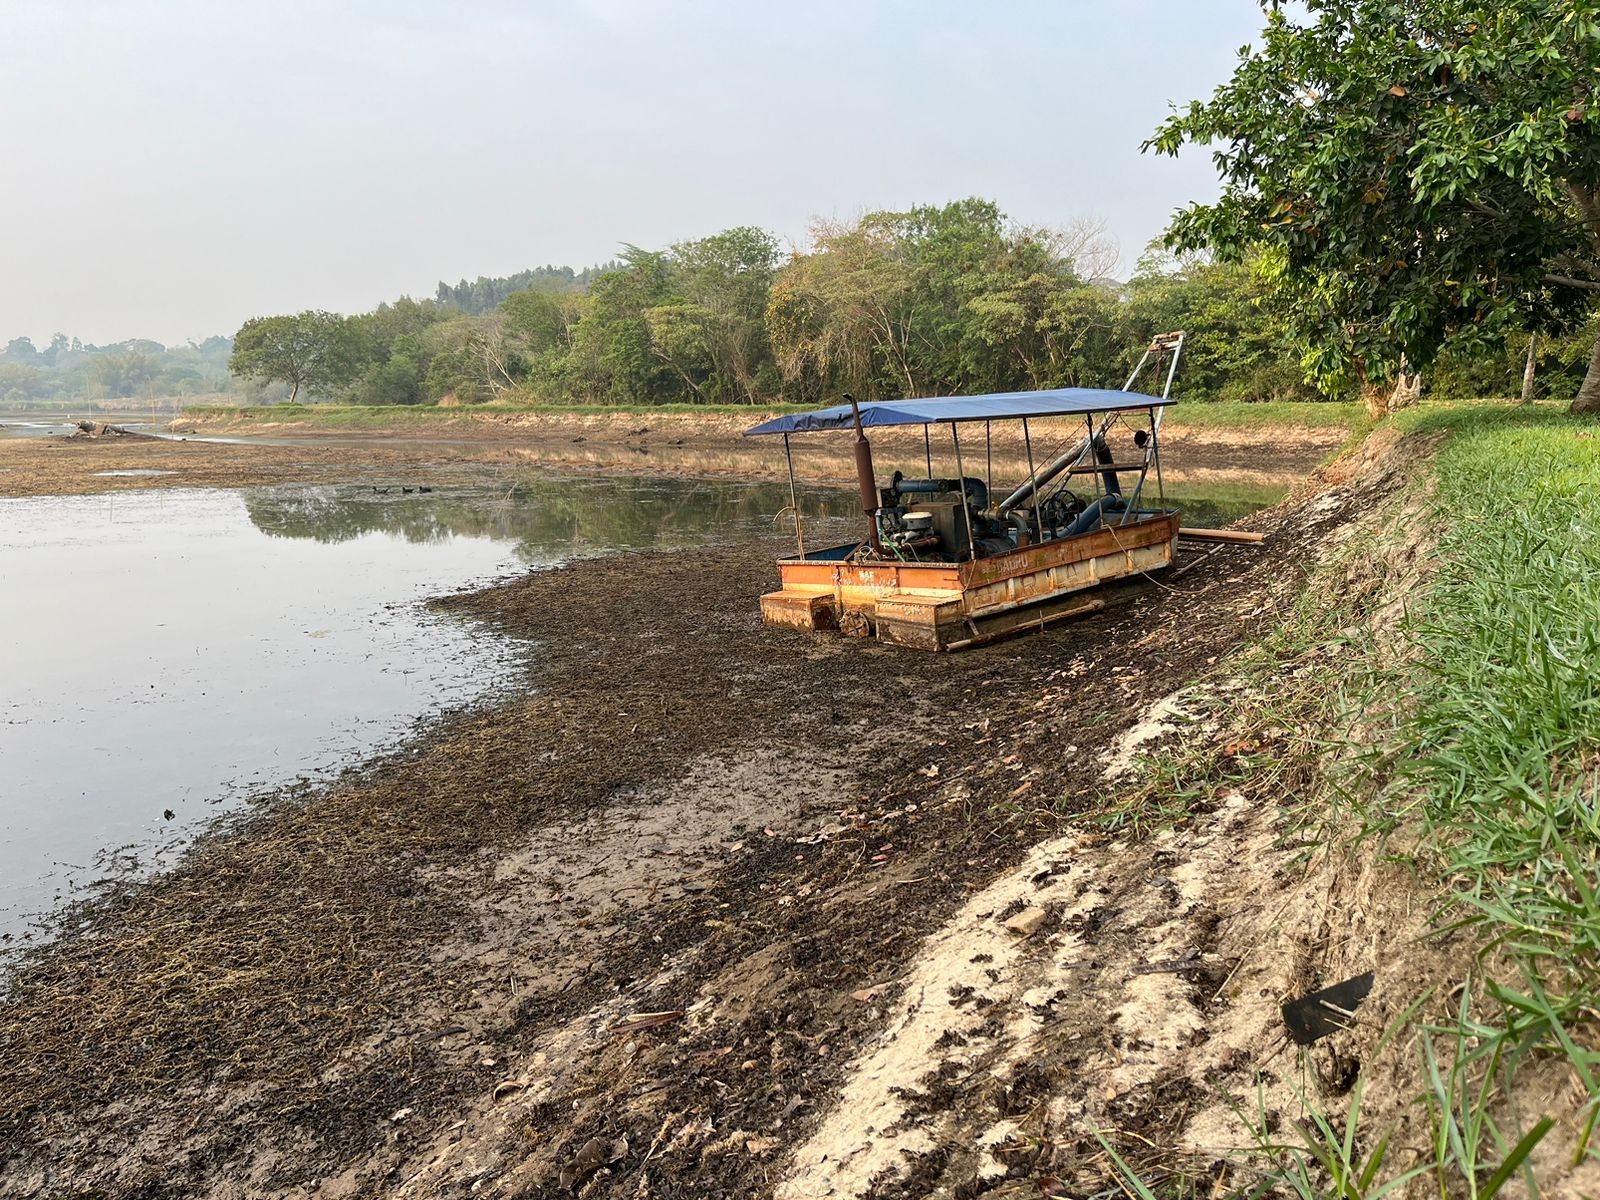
{"type": "Point", "coordinates": [938, 299]}
{"type": "Point", "coordinates": [66, 370]}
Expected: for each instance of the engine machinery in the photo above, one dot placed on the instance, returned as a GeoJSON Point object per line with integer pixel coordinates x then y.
{"type": "Point", "coordinates": [945, 520]}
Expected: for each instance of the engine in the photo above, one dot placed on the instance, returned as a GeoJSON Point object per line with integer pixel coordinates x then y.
{"type": "Point", "coordinates": [927, 520]}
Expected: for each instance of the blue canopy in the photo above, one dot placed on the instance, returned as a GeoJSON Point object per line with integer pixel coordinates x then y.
{"type": "Point", "coordinates": [997, 406]}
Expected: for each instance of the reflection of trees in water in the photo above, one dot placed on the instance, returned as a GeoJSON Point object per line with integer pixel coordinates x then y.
{"type": "Point", "coordinates": [540, 514]}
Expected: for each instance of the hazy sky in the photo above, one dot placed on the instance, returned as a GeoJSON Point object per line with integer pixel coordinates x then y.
{"type": "Point", "coordinates": [171, 168]}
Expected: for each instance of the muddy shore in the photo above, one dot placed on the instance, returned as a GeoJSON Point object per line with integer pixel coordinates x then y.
{"type": "Point", "coordinates": [1265, 460]}
{"type": "Point", "coordinates": [625, 933]}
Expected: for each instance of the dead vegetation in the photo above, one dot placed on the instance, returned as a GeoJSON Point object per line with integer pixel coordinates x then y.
{"type": "Point", "coordinates": [1264, 458]}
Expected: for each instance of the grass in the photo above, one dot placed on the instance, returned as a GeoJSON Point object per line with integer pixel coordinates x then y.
{"type": "Point", "coordinates": [1469, 733]}
{"type": "Point", "coordinates": [1507, 718]}
{"type": "Point", "coordinates": [1238, 414]}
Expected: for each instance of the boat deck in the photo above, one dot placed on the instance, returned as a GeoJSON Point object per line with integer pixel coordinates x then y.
{"type": "Point", "coordinates": [949, 606]}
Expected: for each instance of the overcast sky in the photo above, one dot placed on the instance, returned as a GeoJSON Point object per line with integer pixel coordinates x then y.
{"type": "Point", "coordinates": [173, 167]}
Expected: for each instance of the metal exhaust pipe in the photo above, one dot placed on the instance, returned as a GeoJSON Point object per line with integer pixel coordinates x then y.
{"type": "Point", "coordinates": [866, 478]}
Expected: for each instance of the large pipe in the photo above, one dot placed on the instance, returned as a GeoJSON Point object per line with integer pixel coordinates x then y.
{"type": "Point", "coordinates": [1089, 518]}
{"type": "Point", "coordinates": [1049, 472]}
{"type": "Point", "coordinates": [1102, 454]}
{"type": "Point", "coordinates": [977, 491]}
{"type": "Point", "coordinates": [866, 478]}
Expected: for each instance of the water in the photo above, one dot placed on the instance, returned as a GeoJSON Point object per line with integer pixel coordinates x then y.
{"type": "Point", "coordinates": [175, 651]}
{"type": "Point", "coordinates": [47, 423]}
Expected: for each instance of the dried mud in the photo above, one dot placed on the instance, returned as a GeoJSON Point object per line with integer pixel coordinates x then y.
{"type": "Point", "coordinates": [658, 925]}
{"type": "Point", "coordinates": [1195, 458]}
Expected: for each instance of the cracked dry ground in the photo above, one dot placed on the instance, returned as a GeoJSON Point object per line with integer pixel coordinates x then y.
{"type": "Point", "coordinates": [427, 978]}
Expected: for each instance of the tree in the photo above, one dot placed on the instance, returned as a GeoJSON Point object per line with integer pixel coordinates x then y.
{"type": "Point", "coordinates": [309, 350]}
{"type": "Point", "coordinates": [614, 356]}
{"type": "Point", "coordinates": [725, 280]}
{"type": "Point", "coordinates": [20, 383]}
{"type": "Point", "coordinates": [119, 371]}
{"type": "Point", "coordinates": [942, 299]}
{"type": "Point", "coordinates": [543, 321]}
{"type": "Point", "coordinates": [397, 381]}
{"type": "Point", "coordinates": [1419, 171]}
{"type": "Point", "coordinates": [21, 350]}
{"type": "Point", "coordinates": [1239, 346]}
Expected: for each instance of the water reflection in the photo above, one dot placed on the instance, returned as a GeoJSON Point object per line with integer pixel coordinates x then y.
{"type": "Point", "coordinates": [173, 649]}
{"type": "Point", "coordinates": [545, 517]}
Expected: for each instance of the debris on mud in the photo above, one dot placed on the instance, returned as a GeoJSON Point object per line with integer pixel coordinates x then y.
{"type": "Point", "coordinates": [1317, 1014]}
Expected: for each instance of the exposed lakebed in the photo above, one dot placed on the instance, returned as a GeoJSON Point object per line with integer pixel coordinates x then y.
{"type": "Point", "coordinates": [175, 651]}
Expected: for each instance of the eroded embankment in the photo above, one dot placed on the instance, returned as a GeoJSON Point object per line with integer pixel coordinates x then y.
{"type": "Point", "coordinates": [434, 977]}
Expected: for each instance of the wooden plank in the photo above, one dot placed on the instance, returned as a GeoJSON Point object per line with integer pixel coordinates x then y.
{"type": "Point", "coordinates": [1242, 537]}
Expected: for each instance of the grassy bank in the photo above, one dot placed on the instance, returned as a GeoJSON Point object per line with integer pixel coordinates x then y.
{"type": "Point", "coordinates": [1433, 701]}
{"type": "Point", "coordinates": [1220, 414]}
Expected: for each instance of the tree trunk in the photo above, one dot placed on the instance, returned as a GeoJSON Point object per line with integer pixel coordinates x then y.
{"type": "Point", "coordinates": [1587, 201]}
{"type": "Point", "coordinates": [1372, 396]}
{"type": "Point", "coordinates": [1529, 368]}
{"type": "Point", "coordinates": [1588, 398]}
{"type": "Point", "coordinates": [1405, 392]}
{"type": "Point", "coordinates": [294, 390]}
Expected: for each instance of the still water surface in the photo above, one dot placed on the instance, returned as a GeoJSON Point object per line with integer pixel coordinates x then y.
{"type": "Point", "coordinates": [175, 651]}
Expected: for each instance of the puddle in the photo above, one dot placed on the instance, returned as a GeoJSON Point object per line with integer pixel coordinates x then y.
{"type": "Point", "coordinates": [132, 473]}
{"type": "Point", "coordinates": [175, 651]}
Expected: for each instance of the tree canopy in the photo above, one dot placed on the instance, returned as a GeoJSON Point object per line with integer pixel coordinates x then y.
{"type": "Point", "coordinates": [938, 298]}
{"type": "Point", "coordinates": [1411, 174]}
{"type": "Point", "coordinates": [311, 350]}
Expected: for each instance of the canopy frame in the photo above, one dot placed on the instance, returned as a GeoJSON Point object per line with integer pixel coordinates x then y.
{"type": "Point", "coordinates": [1105, 403]}
{"type": "Point", "coordinates": [940, 410]}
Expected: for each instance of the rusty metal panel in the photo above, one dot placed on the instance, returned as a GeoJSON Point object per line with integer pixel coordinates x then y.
{"type": "Point", "coordinates": [1163, 527]}
{"type": "Point", "coordinates": [791, 610]}
{"type": "Point", "coordinates": [913, 634]}
{"type": "Point", "coordinates": [1018, 591]}
{"type": "Point", "coordinates": [926, 609]}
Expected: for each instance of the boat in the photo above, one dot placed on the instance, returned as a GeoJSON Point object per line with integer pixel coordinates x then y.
{"type": "Point", "coordinates": [946, 565]}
